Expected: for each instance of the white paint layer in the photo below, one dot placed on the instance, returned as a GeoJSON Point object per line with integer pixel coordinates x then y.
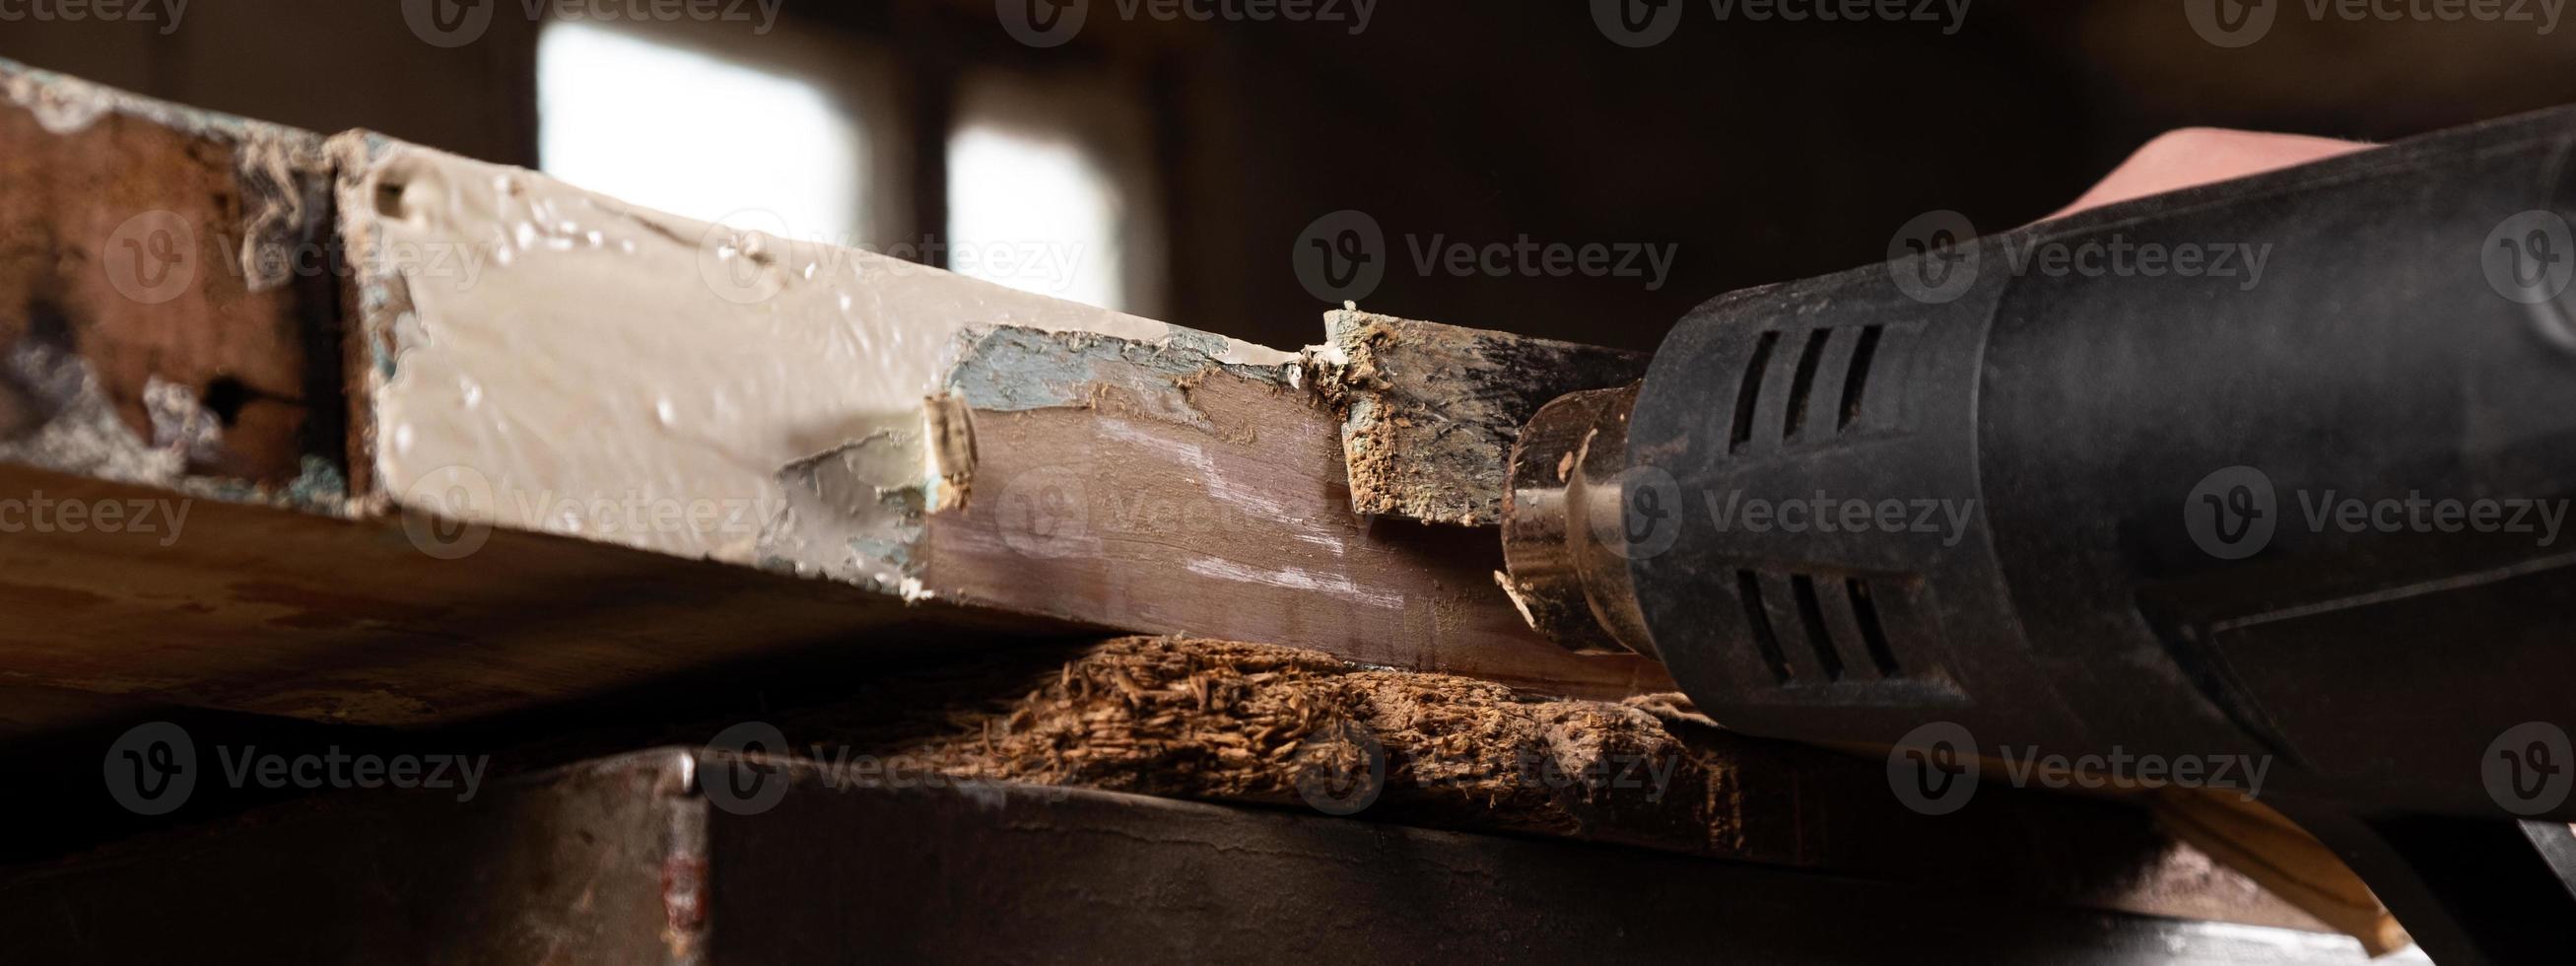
{"type": "Point", "coordinates": [635, 377]}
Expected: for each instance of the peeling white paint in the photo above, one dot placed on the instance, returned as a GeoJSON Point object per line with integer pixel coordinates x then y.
{"type": "Point", "coordinates": [563, 341]}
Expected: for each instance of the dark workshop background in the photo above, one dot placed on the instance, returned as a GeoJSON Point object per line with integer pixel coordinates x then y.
{"type": "Point", "coordinates": [1762, 150]}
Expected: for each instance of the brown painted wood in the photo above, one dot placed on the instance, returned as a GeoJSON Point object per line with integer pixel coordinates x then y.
{"type": "Point", "coordinates": [125, 248]}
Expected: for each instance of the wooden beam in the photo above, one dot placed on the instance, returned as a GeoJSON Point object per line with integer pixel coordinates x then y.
{"type": "Point", "coordinates": [162, 312]}
{"type": "Point", "coordinates": [661, 857]}
{"type": "Point", "coordinates": [403, 418]}
{"type": "Point", "coordinates": [252, 608]}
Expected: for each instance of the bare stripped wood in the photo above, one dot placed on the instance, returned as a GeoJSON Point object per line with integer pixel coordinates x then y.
{"type": "Point", "coordinates": [1181, 495]}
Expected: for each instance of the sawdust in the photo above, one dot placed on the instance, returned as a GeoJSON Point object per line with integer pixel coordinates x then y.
{"type": "Point", "coordinates": [1430, 412]}
{"type": "Point", "coordinates": [1354, 384]}
{"type": "Point", "coordinates": [1222, 720]}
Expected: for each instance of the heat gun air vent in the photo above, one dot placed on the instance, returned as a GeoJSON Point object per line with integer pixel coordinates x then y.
{"type": "Point", "coordinates": [1830, 368]}
{"type": "Point", "coordinates": [1811, 628]}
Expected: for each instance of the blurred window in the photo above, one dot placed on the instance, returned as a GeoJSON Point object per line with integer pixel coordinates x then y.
{"type": "Point", "coordinates": [690, 132]}
{"type": "Point", "coordinates": [1031, 210]}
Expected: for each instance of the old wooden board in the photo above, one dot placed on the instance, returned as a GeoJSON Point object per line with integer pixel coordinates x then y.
{"type": "Point", "coordinates": [424, 413]}
{"type": "Point", "coordinates": [160, 312]}
{"type": "Point", "coordinates": [705, 857]}
{"type": "Point", "coordinates": [211, 603]}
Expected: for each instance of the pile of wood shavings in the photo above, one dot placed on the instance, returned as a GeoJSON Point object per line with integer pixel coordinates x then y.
{"type": "Point", "coordinates": [1223, 720]}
